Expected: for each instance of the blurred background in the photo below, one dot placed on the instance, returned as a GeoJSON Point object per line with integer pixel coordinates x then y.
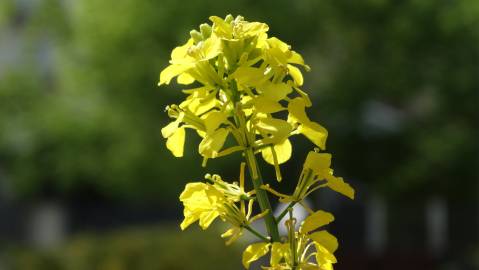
{"type": "Point", "coordinates": [86, 181]}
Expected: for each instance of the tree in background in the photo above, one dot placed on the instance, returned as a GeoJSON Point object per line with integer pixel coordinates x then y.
{"type": "Point", "coordinates": [79, 109]}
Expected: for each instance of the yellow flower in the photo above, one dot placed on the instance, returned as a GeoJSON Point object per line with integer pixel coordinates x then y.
{"type": "Point", "coordinates": [302, 246]}
{"type": "Point", "coordinates": [316, 174]}
{"type": "Point", "coordinates": [201, 204]}
{"type": "Point", "coordinates": [204, 202]}
{"type": "Point", "coordinates": [245, 78]}
{"type": "Point", "coordinates": [300, 249]}
{"type": "Point", "coordinates": [243, 95]}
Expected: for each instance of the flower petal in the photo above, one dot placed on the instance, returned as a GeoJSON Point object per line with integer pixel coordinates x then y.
{"type": "Point", "coordinates": [318, 162]}
{"type": "Point", "coordinates": [176, 142]}
{"type": "Point", "coordinates": [316, 220]}
{"type": "Point", "coordinates": [283, 152]}
{"type": "Point", "coordinates": [275, 91]}
{"type": "Point", "coordinates": [273, 130]}
{"type": "Point", "coordinates": [278, 252]}
{"type": "Point", "coordinates": [296, 74]}
{"type": "Point", "coordinates": [296, 109]}
{"type": "Point", "coordinates": [253, 252]}
{"type": "Point", "coordinates": [315, 133]}
{"type": "Point", "coordinates": [213, 120]}
{"type": "Point", "coordinates": [265, 105]}
{"type": "Point", "coordinates": [212, 143]}
{"type": "Point", "coordinates": [170, 72]}
{"type": "Point", "coordinates": [185, 79]}
{"type": "Point", "coordinates": [337, 184]}
{"type": "Point", "coordinates": [326, 240]}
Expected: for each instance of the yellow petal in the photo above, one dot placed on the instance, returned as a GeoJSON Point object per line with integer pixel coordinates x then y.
{"type": "Point", "coordinates": [326, 240]}
{"type": "Point", "coordinates": [248, 76]}
{"type": "Point", "coordinates": [254, 252]}
{"type": "Point", "coordinates": [324, 258]}
{"type": "Point", "coordinates": [296, 109]}
{"type": "Point", "coordinates": [275, 91]}
{"type": "Point", "coordinates": [201, 105]}
{"type": "Point", "coordinates": [211, 48]}
{"type": "Point", "coordinates": [185, 78]}
{"type": "Point", "coordinates": [273, 130]}
{"type": "Point", "coordinates": [195, 202]}
{"type": "Point", "coordinates": [253, 28]}
{"type": "Point", "coordinates": [337, 184]}
{"type": "Point", "coordinates": [296, 58]}
{"type": "Point", "coordinates": [276, 56]}
{"type": "Point", "coordinates": [234, 233]}
{"type": "Point", "coordinates": [296, 74]}
{"type": "Point", "coordinates": [169, 129]}
{"type": "Point", "coordinates": [221, 28]}
{"type": "Point", "coordinates": [278, 252]}
{"type": "Point", "coordinates": [206, 218]}
{"type": "Point", "coordinates": [179, 55]}
{"type": "Point", "coordinates": [265, 105]}
{"type": "Point", "coordinates": [283, 152]}
{"type": "Point", "coordinates": [176, 142]}
{"type": "Point", "coordinates": [315, 133]}
{"type": "Point", "coordinates": [274, 42]}
{"type": "Point", "coordinates": [170, 72]}
{"type": "Point", "coordinates": [304, 95]}
{"type": "Point", "coordinates": [213, 120]}
{"type": "Point", "coordinates": [212, 143]}
{"type": "Point", "coordinates": [188, 221]}
{"type": "Point", "coordinates": [318, 162]}
{"type": "Point", "coordinates": [316, 220]}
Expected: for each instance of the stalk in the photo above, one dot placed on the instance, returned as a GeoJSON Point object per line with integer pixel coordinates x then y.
{"type": "Point", "coordinates": [261, 195]}
{"type": "Point", "coordinates": [247, 141]}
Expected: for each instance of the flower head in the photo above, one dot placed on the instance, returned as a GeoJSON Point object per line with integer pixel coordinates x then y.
{"type": "Point", "coordinates": [204, 202]}
{"type": "Point", "coordinates": [310, 248]}
{"type": "Point", "coordinates": [242, 78]}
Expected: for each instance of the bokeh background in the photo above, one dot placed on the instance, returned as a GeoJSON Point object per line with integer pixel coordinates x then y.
{"type": "Point", "coordinates": [86, 181]}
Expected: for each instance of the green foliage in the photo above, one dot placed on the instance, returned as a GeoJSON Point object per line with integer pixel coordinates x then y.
{"type": "Point", "coordinates": [90, 116]}
{"type": "Point", "coordinates": [162, 248]}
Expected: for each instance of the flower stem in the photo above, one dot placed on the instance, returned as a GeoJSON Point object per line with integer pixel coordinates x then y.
{"type": "Point", "coordinates": [255, 232]}
{"type": "Point", "coordinates": [261, 195]}
{"type": "Point", "coordinates": [285, 211]}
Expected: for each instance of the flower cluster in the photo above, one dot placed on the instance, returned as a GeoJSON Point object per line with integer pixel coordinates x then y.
{"type": "Point", "coordinates": [310, 241]}
{"type": "Point", "coordinates": [243, 81]}
{"type": "Point", "coordinates": [243, 95]}
{"type": "Point", "coordinates": [204, 202]}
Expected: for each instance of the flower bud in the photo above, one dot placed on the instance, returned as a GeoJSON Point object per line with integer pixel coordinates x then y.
{"type": "Point", "coordinates": [205, 30]}
{"type": "Point", "coordinates": [196, 36]}
{"type": "Point", "coordinates": [229, 18]}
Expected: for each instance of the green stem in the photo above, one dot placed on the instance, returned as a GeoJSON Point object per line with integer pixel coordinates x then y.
{"type": "Point", "coordinates": [292, 238]}
{"type": "Point", "coordinates": [285, 211]}
{"type": "Point", "coordinates": [255, 232]}
{"type": "Point", "coordinates": [261, 195]}
{"type": "Point", "coordinates": [247, 141]}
